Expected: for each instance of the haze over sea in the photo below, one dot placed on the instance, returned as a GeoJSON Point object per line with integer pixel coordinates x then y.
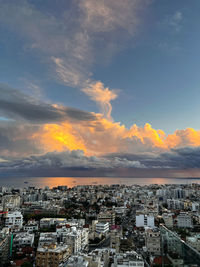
{"type": "Point", "coordinates": [41, 182]}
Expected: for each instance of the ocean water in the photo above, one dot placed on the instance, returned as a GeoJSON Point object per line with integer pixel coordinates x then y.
{"type": "Point", "coordinates": [41, 182]}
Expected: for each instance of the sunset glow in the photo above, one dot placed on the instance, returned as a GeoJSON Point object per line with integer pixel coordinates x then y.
{"type": "Point", "coordinates": [99, 88]}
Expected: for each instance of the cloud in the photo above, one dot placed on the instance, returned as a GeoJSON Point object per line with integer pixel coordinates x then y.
{"type": "Point", "coordinates": [103, 137]}
{"type": "Point", "coordinates": [63, 162]}
{"type": "Point", "coordinates": [108, 16]}
{"type": "Point", "coordinates": [102, 96]}
{"type": "Point", "coordinates": [73, 40]}
{"type": "Point", "coordinates": [172, 22]}
{"type": "Point", "coordinates": [49, 127]}
{"type": "Point", "coordinates": [176, 163]}
{"type": "Point", "coordinates": [69, 73]}
{"type": "Point", "coordinates": [181, 158]}
{"type": "Point", "coordinates": [17, 140]}
{"type": "Point", "coordinates": [175, 21]}
{"type": "Point", "coordinates": [52, 133]}
{"type": "Point", "coordinates": [17, 105]}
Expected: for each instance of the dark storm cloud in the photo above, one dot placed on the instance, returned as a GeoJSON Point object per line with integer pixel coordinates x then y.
{"type": "Point", "coordinates": [181, 158]}
{"type": "Point", "coordinates": [127, 165]}
{"type": "Point", "coordinates": [19, 106]}
{"type": "Point", "coordinates": [15, 139]}
{"type": "Point", "coordinates": [63, 162]}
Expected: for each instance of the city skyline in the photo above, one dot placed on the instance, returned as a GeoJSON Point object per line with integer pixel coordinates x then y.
{"type": "Point", "coordinates": [99, 88]}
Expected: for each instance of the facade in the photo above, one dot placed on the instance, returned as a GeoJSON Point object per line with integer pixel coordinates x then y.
{"type": "Point", "coordinates": [168, 219]}
{"type": "Point", "coordinates": [184, 220]}
{"type": "Point", "coordinates": [194, 241]}
{"type": "Point", "coordinates": [31, 226]}
{"type": "Point", "coordinates": [47, 239]}
{"type": "Point", "coordinates": [127, 259]}
{"type": "Point", "coordinates": [152, 241]}
{"type": "Point", "coordinates": [174, 245]}
{"type": "Point", "coordinates": [145, 221]}
{"type": "Point", "coordinates": [52, 255]}
{"type": "Point", "coordinates": [48, 222]}
{"type": "Point", "coordinates": [115, 237]}
{"type": "Point", "coordinates": [102, 228]}
{"type": "Point", "coordinates": [107, 216]}
{"type": "Point", "coordinates": [5, 244]}
{"type": "Point", "coordinates": [76, 237]}
{"type": "Point", "coordinates": [14, 220]}
{"type": "Point", "coordinates": [23, 239]}
{"type": "Point", "coordinates": [11, 201]}
{"type": "Point", "coordinates": [78, 261]}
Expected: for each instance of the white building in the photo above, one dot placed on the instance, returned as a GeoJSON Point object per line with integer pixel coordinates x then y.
{"type": "Point", "coordinates": [76, 237]}
{"type": "Point", "coordinates": [31, 226]}
{"type": "Point", "coordinates": [77, 261]}
{"type": "Point", "coordinates": [145, 221]}
{"type": "Point", "coordinates": [14, 220]}
{"type": "Point", "coordinates": [102, 228]}
{"type": "Point", "coordinates": [23, 239]}
{"type": "Point", "coordinates": [48, 222]}
{"type": "Point", "coordinates": [184, 220]}
{"type": "Point", "coordinates": [96, 258]}
{"type": "Point", "coordinates": [195, 206]}
{"type": "Point", "coordinates": [127, 259]}
{"type": "Point", "coordinates": [47, 239]}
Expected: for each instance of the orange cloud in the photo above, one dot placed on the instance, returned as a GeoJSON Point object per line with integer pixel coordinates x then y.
{"type": "Point", "coordinates": [103, 136]}
{"type": "Point", "coordinates": [55, 137]}
{"type": "Point", "coordinates": [181, 138]}
{"type": "Point", "coordinates": [102, 96]}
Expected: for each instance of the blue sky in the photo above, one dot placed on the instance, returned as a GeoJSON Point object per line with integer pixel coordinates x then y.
{"type": "Point", "coordinates": [156, 70]}
{"type": "Point", "coordinates": [134, 62]}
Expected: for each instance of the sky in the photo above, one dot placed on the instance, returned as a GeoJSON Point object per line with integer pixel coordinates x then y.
{"type": "Point", "coordinates": [99, 88]}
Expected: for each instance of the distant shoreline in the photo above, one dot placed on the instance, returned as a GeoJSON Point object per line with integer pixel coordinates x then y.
{"type": "Point", "coordinates": [21, 182]}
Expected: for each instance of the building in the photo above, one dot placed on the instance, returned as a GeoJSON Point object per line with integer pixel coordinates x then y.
{"type": "Point", "coordinates": [31, 226]}
{"type": "Point", "coordinates": [77, 238]}
{"type": "Point", "coordinates": [184, 220]}
{"type": "Point", "coordinates": [128, 259]}
{"type": "Point", "coordinates": [145, 221]}
{"type": "Point", "coordinates": [11, 202]}
{"type": "Point", "coordinates": [152, 241]}
{"type": "Point", "coordinates": [52, 255]}
{"type": "Point", "coordinates": [23, 239]}
{"type": "Point", "coordinates": [77, 261]}
{"type": "Point", "coordinates": [175, 246]}
{"type": "Point", "coordinates": [115, 237]}
{"type": "Point", "coordinates": [168, 220]}
{"type": "Point", "coordinates": [194, 241]}
{"type": "Point", "coordinates": [102, 228]}
{"type": "Point", "coordinates": [5, 245]}
{"type": "Point", "coordinates": [107, 216]}
{"type": "Point", "coordinates": [48, 222]}
{"type": "Point", "coordinates": [14, 220]}
{"type": "Point", "coordinates": [47, 239]}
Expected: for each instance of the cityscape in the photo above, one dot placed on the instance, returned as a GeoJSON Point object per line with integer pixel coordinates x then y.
{"type": "Point", "coordinates": [99, 133]}
{"type": "Point", "coordinates": [100, 226]}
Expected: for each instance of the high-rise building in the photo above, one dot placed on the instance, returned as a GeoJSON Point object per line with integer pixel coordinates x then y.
{"type": "Point", "coordinates": [152, 241]}
{"type": "Point", "coordinates": [5, 247]}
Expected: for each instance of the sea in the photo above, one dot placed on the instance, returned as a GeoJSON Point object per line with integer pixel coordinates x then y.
{"type": "Point", "coordinates": [41, 182]}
